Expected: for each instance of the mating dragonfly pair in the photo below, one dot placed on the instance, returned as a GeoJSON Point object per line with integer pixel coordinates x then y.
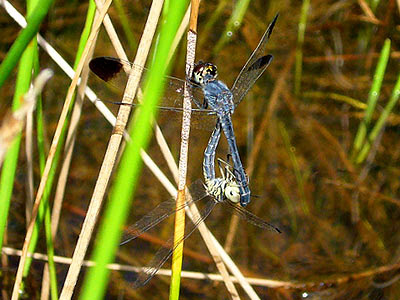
{"type": "Point", "coordinates": [219, 101]}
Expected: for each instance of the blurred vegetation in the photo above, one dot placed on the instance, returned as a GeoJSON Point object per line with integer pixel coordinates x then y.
{"type": "Point", "coordinates": [336, 200]}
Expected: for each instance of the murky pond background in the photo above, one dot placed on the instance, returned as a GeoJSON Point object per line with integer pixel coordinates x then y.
{"type": "Point", "coordinates": [340, 218]}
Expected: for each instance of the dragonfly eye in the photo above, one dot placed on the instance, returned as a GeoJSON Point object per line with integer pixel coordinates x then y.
{"type": "Point", "coordinates": [210, 71]}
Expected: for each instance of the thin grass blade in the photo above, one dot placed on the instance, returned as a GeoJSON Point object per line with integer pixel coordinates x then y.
{"type": "Point", "coordinates": [380, 124]}
{"type": "Point", "coordinates": [299, 48]}
{"type": "Point", "coordinates": [26, 35]}
{"type": "Point", "coordinates": [372, 98]}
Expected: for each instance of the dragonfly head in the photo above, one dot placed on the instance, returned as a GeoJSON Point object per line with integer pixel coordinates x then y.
{"type": "Point", "coordinates": [232, 192]}
{"type": "Point", "coordinates": [204, 73]}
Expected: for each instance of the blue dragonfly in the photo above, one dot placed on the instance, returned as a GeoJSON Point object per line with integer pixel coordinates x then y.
{"type": "Point", "coordinates": [218, 100]}
{"type": "Point", "coordinates": [223, 100]}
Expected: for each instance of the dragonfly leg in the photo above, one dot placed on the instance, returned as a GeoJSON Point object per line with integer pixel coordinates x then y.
{"type": "Point", "coordinates": [205, 103]}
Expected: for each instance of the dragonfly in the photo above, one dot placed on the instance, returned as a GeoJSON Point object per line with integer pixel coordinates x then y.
{"type": "Point", "coordinates": [224, 100]}
{"type": "Point", "coordinates": [222, 189]}
{"type": "Point", "coordinates": [218, 100]}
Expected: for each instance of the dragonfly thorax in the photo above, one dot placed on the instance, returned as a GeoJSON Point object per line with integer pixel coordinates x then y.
{"type": "Point", "coordinates": [222, 189]}
{"type": "Point", "coordinates": [219, 97]}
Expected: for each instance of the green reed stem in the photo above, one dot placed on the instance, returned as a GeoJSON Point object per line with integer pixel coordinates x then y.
{"type": "Point", "coordinates": [126, 26]}
{"type": "Point", "coordinates": [210, 25]}
{"type": "Point", "coordinates": [233, 24]}
{"type": "Point", "coordinates": [50, 251]}
{"type": "Point", "coordinates": [372, 98]}
{"type": "Point", "coordinates": [44, 207]}
{"type": "Point", "coordinates": [128, 173]}
{"type": "Point", "coordinates": [380, 124]}
{"type": "Point", "coordinates": [11, 159]}
{"type": "Point", "coordinates": [299, 48]}
{"type": "Point", "coordinates": [288, 202]}
{"type": "Point", "coordinates": [337, 97]}
{"type": "Point", "coordinates": [22, 41]}
{"type": "Point", "coordinates": [296, 168]}
{"type": "Point", "coordinates": [23, 81]}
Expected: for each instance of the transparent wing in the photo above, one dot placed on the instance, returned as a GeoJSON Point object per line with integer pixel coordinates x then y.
{"type": "Point", "coordinates": [164, 253]}
{"type": "Point", "coordinates": [115, 72]}
{"type": "Point", "coordinates": [161, 212]}
{"type": "Point", "coordinates": [254, 67]}
{"type": "Point", "coordinates": [250, 218]}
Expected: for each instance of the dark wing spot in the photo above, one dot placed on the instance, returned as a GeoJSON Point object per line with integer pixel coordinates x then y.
{"type": "Point", "coordinates": [272, 24]}
{"type": "Point", "coordinates": [261, 62]}
{"type": "Point", "coordinates": [106, 67]}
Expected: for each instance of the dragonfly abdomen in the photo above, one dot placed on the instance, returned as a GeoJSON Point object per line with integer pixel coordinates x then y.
{"type": "Point", "coordinates": [238, 171]}
{"type": "Point", "coordinates": [224, 187]}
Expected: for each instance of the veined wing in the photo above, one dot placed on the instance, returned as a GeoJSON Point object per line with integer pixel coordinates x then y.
{"type": "Point", "coordinates": [115, 72]}
{"type": "Point", "coordinates": [254, 67]}
{"type": "Point", "coordinates": [250, 218]}
{"type": "Point", "coordinates": [165, 252]}
{"type": "Point", "coordinates": [161, 212]}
